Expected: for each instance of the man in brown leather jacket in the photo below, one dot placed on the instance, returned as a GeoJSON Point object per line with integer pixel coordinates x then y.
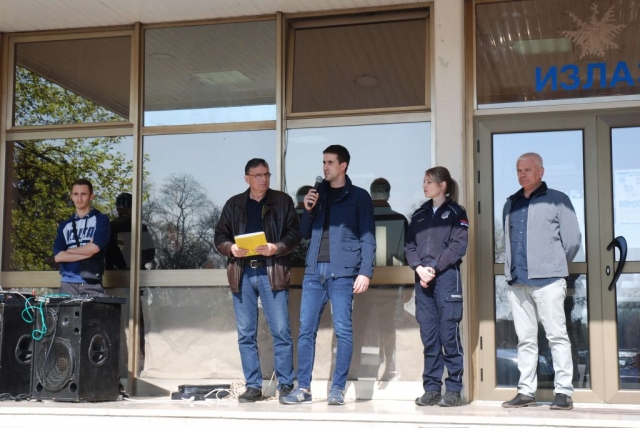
{"type": "Point", "coordinates": [264, 275]}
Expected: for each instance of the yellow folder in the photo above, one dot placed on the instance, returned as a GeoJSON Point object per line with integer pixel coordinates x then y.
{"type": "Point", "coordinates": [249, 241]}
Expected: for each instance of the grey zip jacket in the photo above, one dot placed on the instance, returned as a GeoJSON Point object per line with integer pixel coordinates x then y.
{"type": "Point", "coordinates": [553, 234]}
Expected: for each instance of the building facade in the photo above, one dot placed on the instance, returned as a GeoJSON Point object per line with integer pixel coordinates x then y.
{"type": "Point", "coordinates": [169, 104]}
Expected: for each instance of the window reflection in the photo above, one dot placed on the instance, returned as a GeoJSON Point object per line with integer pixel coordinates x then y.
{"type": "Point", "coordinates": [118, 254]}
{"type": "Point", "coordinates": [40, 174]}
{"type": "Point", "coordinates": [575, 307]}
{"type": "Point", "coordinates": [386, 338]}
{"type": "Point", "coordinates": [391, 226]}
{"type": "Point", "coordinates": [190, 333]}
{"type": "Point", "coordinates": [561, 153]}
{"type": "Point", "coordinates": [188, 179]}
{"type": "Point", "coordinates": [400, 153]}
{"type": "Point", "coordinates": [210, 74]}
{"type": "Point", "coordinates": [360, 66]}
{"type": "Point", "coordinates": [588, 37]}
{"type": "Point", "coordinates": [628, 317]}
{"type": "Point", "coordinates": [72, 81]}
{"type": "Point", "coordinates": [626, 187]}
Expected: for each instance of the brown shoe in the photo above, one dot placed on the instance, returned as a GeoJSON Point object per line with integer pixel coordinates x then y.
{"type": "Point", "coordinates": [561, 402]}
{"type": "Point", "coordinates": [519, 400]}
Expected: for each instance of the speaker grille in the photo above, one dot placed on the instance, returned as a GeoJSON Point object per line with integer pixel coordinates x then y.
{"type": "Point", "coordinates": [24, 350]}
{"type": "Point", "coordinates": [98, 350]}
{"type": "Point", "coordinates": [54, 364]}
{"type": "Point", "coordinates": [50, 320]}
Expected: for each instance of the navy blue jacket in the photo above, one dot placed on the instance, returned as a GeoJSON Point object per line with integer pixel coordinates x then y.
{"type": "Point", "coordinates": [439, 239]}
{"type": "Point", "coordinates": [352, 241]}
{"type": "Point", "coordinates": [94, 227]}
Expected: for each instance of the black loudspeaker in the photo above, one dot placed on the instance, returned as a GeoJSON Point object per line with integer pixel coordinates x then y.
{"type": "Point", "coordinates": [16, 346]}
{"type": "Point", "coordinates": [77, 359]}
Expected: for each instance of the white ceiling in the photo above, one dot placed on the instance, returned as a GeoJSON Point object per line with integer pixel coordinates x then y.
{"type": "Point", "coordinates": [31, 15]}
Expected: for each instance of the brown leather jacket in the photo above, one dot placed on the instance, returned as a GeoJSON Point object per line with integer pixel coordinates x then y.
{"type": "Point", "coordinates": [281, 226]}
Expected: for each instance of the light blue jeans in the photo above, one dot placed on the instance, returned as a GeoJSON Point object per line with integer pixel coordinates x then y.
{"type": "Point", "coordinates": [275, 305]}
{"type": "Point", "coordinates": [317, 290]}
{"type": "Point", "coordinates": [528, 303]}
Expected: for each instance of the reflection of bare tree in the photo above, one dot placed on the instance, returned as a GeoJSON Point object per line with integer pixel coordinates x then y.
{"type": "Point", "coordinates": [183, 220]}
{"type": "Point", "coordinates": [498, 239]}
{"type": "Point", "coordinates": [503, 310]}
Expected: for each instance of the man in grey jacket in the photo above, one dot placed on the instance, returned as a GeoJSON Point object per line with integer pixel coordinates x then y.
{"type": "Point", "coordinates": [542, 237]}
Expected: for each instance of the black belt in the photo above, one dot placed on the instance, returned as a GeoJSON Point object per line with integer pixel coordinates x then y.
{"type": "Point", "coordinates": [254, 264]}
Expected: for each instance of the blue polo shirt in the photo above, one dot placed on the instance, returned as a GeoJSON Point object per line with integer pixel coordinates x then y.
{"type": "Point", "coordinates": [518, 224]}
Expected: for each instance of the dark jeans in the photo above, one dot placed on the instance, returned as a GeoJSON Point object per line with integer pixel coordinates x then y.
{"type": "Point", "coordinates": [439, 311]}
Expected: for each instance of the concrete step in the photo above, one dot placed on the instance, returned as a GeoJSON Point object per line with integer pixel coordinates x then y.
{"type": "Point", "coordinates": [165, 413]}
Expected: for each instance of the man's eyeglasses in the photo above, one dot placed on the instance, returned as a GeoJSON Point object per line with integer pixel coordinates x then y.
{"type": "Point", "coordinates": [266, 175]}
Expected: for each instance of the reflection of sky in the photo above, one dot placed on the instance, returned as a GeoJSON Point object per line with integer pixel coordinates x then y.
{"type": "Point", "coordinates": [398, 152]}
{"type": "Point", "coordinates": [561, 153]}
{"type": "Point", "coordinates": [215, 160]}
{"type": "Point", "coordinates": [210, 115]}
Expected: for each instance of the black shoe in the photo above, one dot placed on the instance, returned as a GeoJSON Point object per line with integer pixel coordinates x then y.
{"type": "Point", "coordinates": [450, 399]}
{"type": "Point", "coordinates": [285, 390]}
{"type": "Point", "coordinates": [520, 400]}
{"type": "Point", "coordinates": [250, 395]}
{"type": "Point", "coordinates": [122, 392]}
{"type": "Point", "coordinates": [562, 402]}
{"type": "Point", "coordinates": [429, 398]}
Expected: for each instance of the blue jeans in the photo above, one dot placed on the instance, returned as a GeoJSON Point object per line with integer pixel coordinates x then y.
{"type": "Point", "coordinates": [317, 290]}
{"type": "Point", "coordinates": [275, 305]}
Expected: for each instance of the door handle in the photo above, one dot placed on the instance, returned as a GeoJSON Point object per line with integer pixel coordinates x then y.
{"type": "Point", "coordinates": [621, 244]}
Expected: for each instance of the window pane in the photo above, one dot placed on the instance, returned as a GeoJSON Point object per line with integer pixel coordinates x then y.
{"type": "Point", "coordinates": [561, 153]}
{"type": "Point", "coordinates": [72, 81]}
{"type": "Point", "coordinates": [210, 74]}
{"type": "Point", "coordinates": [626, 188]}
{"type": "Point", "coordinates": [39, 176]}
{"type": "Point", "coordinates": [189, 178]}
{"type": "Point", "coordinates": [386, 337]}
{"type": "Point", "coordinates": [369, 145]}
{"type": "Point", "coordinates": [537, 50]}
{"type": "Point", "coordinates": [190, 332]}
{"type": "Point", "coordinates": [575, 307]}
{"type": "Point", "coordinates": [628, 317]}
{"type": "Point", "coordinates": [360, 66]}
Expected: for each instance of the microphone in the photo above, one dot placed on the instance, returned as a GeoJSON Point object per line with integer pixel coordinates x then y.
{"type": "Point", "coordinates": [316, 187]}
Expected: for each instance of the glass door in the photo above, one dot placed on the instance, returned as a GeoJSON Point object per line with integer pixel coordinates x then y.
{"type": "Point", "coordinates": [565, 146]}
{"type": "Point", "coordinates": [619, 141]}
{"type": "Point", "coordinates": [594, 160]}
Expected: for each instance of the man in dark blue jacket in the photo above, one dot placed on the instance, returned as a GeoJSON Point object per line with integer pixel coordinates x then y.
{"type": "Point", "coordinates": [338, 218]}
{"type": "Point", "coordinates": [83, 236]}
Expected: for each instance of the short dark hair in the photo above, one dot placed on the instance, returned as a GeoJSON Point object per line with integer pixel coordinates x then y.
{"type": "Point", "coordinates": [302, 192]}
{"type": "Point", "coordinates": [380, 189]}
{"type": "Point", "coordinates": [124, 200]}
{"type": "Point", "coordinates": [83, 182]}
{"type": "Point", "coordinates": [340, 151]}
{"type": "Point", "coordinates": [253, 163]}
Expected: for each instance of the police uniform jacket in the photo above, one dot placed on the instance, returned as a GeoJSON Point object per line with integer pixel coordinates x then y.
{"type": "Point", "coordinates": [437, 240]}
